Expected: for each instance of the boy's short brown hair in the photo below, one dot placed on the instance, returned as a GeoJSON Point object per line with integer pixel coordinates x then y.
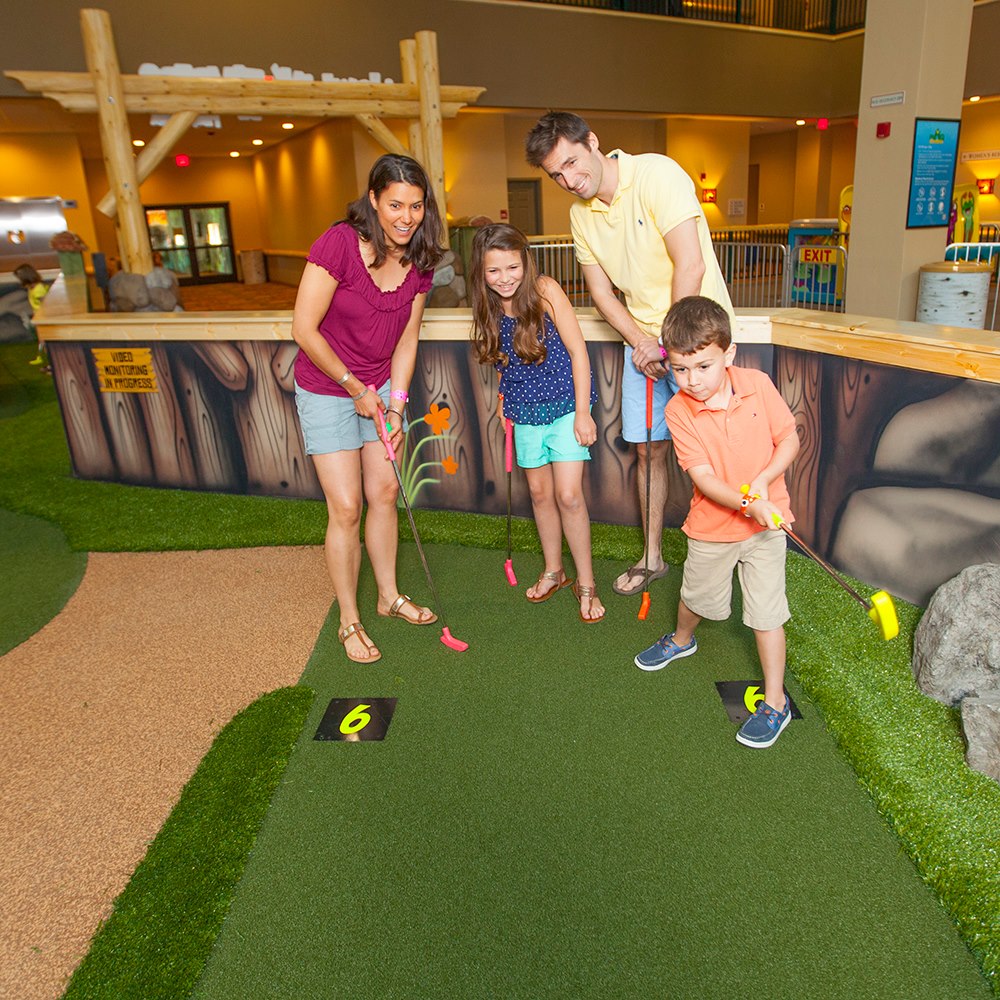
{"type": "Point", "coordinates": [695, 322]}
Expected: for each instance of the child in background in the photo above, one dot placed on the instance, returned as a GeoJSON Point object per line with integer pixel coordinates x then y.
{"type": "Point", "coordinates": [524, 324]}
{"type": "Point", "coordinates": [37, 290]}
{"type": "Point", "coordinates": [730, 427]}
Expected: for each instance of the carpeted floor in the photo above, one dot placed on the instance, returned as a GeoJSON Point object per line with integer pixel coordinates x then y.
{"type": "Point", "coordinates": [237, 296]}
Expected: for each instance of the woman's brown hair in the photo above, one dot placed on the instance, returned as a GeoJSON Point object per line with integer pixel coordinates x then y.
{"type": "Point", "coordinates": [424, 249]}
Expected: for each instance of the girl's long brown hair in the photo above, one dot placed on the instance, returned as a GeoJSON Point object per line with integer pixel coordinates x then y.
{"type": "Point", "coordinates": [527, 304]}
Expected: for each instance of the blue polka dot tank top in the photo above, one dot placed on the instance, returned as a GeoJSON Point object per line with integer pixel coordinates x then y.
{"type": "Point", "coordinates": [538, 394]}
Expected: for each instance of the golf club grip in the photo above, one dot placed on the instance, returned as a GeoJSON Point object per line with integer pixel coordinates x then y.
{"type": "Point", "coordinates": [649, 404]}
{"type": "Point", "coordinates": [644, 607]}
{"type": "Point", "coordinates": [508, 444]}
{"type": "Point", "coordinates": [380, 419]}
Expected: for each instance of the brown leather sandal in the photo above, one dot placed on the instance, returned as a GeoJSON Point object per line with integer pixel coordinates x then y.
{"type": "Point", "coordinates": [590, 593]}
{"type": "Point", "coordinates": [554, 575]}
{"type": "Point", "coordinates": [395, 612]}
{"type": "Point", "coordinates": [359, 630]}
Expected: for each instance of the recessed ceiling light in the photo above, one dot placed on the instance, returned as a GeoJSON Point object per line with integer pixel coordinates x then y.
{"type": "Point", "coordinates": [287, 125]}
{"type": "Point", "coordinates": [234, 153]}
{"type": "Point", "coordinates": [972, 100]}
{"type": "Point", "coordinates": [257, 142]}
{"type": "Point", "coordinates": [800, 121]}
{"type": "Point", "coordinates": [139, 143]}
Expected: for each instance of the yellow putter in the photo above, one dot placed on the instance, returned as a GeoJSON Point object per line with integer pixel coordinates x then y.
{"type": "Point", "coordinates": [880, 608]}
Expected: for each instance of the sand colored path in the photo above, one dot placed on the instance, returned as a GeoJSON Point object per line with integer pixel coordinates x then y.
{"type": "Point", "coordinates": [106, 712]}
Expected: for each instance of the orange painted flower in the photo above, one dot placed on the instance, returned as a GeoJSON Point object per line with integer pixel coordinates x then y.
{"type": "Point", "coordinates": [450, 465]}
{"type": "Point", "coordinates": [438, 418]}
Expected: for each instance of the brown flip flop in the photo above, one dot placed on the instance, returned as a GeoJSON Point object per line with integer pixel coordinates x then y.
{"type": "Point", "coordinates": [638, 575]}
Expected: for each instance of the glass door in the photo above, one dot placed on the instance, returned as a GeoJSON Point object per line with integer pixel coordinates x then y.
{"type": "Point", "coordinates": [195, 241]}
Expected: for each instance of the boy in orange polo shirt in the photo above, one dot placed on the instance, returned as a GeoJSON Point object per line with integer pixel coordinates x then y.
{"type": "Point", "coordinates": [730, 426]}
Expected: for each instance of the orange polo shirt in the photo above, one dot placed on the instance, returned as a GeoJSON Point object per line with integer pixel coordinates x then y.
{"type": "Point", "coordinates": [737, 443]}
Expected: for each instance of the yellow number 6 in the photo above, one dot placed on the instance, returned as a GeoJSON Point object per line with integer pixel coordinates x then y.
{"type": "Point", "coordinates": [356, 719]}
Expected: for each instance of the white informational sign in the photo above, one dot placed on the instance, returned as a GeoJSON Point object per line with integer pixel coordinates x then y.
{"type": "Point", "coordinates": [883, 99]}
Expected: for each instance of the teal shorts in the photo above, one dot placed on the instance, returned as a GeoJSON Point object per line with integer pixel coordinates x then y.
{"type": "Point", "coordinates": [541, 444]}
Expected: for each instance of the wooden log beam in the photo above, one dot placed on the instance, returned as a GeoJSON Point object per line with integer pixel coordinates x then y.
{"type": "Point", "coordinates": [168, 104]}
{"type": "Point", "coordinates": [152, 155]}
{"type": "Point", "coordinates": [382, 134]}
{"type": "Point", "coordinates": [429, 80]}
{"type": "Point", "coordinates": [228, 87]}
{"type": "Point", "coordinates": [408, 64]}
{"type": "Point", "coordinates": [116, 142]}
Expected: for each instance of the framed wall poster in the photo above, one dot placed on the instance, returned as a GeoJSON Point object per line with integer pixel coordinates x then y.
{"type": "Point", "coordinates": [932, 172]}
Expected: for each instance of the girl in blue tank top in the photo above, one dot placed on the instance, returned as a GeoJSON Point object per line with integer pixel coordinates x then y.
{"type": "Point", "coordinates": [525, 326]}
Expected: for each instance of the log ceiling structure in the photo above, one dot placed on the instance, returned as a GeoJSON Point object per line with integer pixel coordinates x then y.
{"type": "Point", "coordinates": [105, 91]}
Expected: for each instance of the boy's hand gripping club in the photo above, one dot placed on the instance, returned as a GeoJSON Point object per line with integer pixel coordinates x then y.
{"type": "Point", "coordinates": [446, 637]}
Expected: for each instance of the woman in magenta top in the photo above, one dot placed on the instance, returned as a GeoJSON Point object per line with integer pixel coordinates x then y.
{"type": "Point", "coordinates": [356, 321]}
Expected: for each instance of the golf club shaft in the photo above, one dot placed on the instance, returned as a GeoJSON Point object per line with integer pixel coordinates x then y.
{"type": "Point", "coordinates": [644, 607]}
{"type": "Point", "coordinates": [509, 461]}
{"type": "Point", "coordinates": [391, 452]}
{"type": "Point", "coordinates": [822, 562]}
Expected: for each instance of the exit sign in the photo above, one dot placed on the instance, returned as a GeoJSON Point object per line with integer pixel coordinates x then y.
{"type": "Point", "coordinates": [819, 255]}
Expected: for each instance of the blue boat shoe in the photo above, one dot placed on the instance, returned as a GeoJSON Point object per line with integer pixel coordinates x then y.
{"type": "Point", "coordinates": [764, 726]}
{"type": "Point", "coordinates": [663, 651]}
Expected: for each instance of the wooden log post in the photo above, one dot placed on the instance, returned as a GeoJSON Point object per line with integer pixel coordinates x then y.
{"type": "Point", "coordinates": [152, 156]}
{"type": "Point", "coordinates": [116, 141]}
{"type": "Point", "coordinates": [382, 134]}
{"type": "Point", "coordinates": [408, 64]}
{"type": "Point", "coordinates": [429, 80]}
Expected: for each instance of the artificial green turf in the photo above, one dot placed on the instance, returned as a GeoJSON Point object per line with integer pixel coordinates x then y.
{"type": "Point", "coordinates": [39, 576]}
{"type": "Point", "coordinates": [906, 748]}
{"type": "Point", "coordinates": [546, 821]}
{"type": "Point", "coordinates": [163, 925]}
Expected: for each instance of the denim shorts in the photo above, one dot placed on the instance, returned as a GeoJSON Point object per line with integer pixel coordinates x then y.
{"type": "Point", "coordinates": [634, 403]}
{"type": "Point", "coordinates": [330, 423]}
{"type": "Point", "coordinates": [541, 444]}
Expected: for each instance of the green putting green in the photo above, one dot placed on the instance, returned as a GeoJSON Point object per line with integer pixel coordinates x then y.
{"type": "Point", "coordinates": [544, 820]}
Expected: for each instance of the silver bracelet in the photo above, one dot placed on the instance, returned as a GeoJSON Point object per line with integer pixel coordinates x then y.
{"type": "Point", "coordinates": [360, 394]}
{"type": "Point", "coordinates": [343, 381]}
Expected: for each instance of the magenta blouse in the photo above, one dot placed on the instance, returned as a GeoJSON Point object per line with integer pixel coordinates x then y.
{"type": "Point", "coordinates": [363, 324]}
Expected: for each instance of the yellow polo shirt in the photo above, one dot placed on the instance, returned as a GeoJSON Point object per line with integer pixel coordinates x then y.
{"type": "Point", "coordinates": [625, 238]}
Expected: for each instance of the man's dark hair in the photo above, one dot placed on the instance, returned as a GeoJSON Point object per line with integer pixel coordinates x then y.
{"type": "Point", "coordinates": [548, 130]}
{"type": "Point", "coordinates": [695, 322]}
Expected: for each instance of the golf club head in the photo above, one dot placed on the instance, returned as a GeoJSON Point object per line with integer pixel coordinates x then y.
{"type": "Point", "coordinates": [508, 568]}
{"type": "Point", "coordinates": [883, 613]}
{"type": "Point", "coordinates": [644, 607]}
{"type": "Point", "coordinates": [451, 642]}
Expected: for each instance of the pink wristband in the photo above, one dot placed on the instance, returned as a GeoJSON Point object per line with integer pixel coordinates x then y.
{"type": "Point", "coordinates": [663, 352]}
{"type": "Point", "coordinates": [399, 394]}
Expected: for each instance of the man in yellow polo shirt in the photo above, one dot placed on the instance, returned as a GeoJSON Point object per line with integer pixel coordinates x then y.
{"type": "Point", "coordinates": [638, 227]}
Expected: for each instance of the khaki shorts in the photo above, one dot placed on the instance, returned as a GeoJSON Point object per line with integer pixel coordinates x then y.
{"type": "Point", "coordinates": [707, 588]}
